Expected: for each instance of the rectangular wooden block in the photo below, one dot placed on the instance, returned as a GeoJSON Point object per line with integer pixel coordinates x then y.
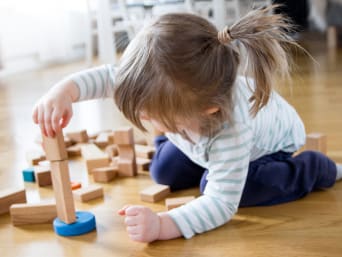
{"type": "Point", "coordinates": [154, 193]}
{"type": "Point", "coordinates": [94, 157]}
{"type": "Point", "coordinates": [63, 194]}
{"type": "Point", "coordinates": [27, 213]}
{"type": "Point", "coordinates": [33, 157]}
{"type": "Point", "coordinates": [80, 136]}
{"type": "Point", "coordinates": [126, 152]}
{"type": "Point", "coordinates": [316, 142]}
{"type": "Point", "coordinates": [88, 193]}
{"type": "Point", "coordinates": [144, 151]}
{"type": "Point", "coordinates": [127, 168]}
{"type": "Point", "coordinates": [102, 140]}
{"type": "Point", "coordinates": [55, 147]}
{"type": "Point", "coordinates": [112, 150]}
{"type": "Point", "coordinates": [9, 197]}
{"type": "Point", "coordinates": [175, 202]}
{"type": "Point", "coordinates": [74, 151]}
{"type": "Point", "coordinates": [124, 136]}
{"type": "Point", "coordinates": [43, 175]}
{"type": "Point", "coordinates": [143, 164]}
{"type": "Point", "coordinates": [104, 174]}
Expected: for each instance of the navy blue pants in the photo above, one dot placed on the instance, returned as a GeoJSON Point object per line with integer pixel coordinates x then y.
{"type": "Point", "coordinates": [272, 179]}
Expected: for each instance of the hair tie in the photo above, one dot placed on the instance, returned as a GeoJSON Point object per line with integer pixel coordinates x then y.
{"type": "Point", "coordinates": [224, 36]}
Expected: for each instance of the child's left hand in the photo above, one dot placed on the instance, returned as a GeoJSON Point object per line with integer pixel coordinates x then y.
{"type": "Point", "coordinates": [142, 223]}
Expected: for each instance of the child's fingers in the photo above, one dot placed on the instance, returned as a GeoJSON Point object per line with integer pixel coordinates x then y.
{"type": "Point", "coordinates": [35, 115]}
{"type": "Point", "coordinates": [41, 120]}
{"type": "Point", "coordinates": [55, 120]}
{"type": "Point", "coordinates": [47, 121]}
{"type": "Point", "coordinates": [132, 220]}
{"type": "Point", "coordinates": [134, 210]}
{"type": "Point", "coordinates": [66, 118]}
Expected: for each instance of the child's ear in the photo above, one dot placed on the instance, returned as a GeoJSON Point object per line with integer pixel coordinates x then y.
{"type": "Point", "coordinates": [212, 110]}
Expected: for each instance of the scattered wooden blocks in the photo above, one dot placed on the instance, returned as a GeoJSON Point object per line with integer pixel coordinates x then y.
{"type": "Point", "coordinates": [55, 147]}
{"type": "Point", "coordinates": [175, 202]}
{"type": "Point", "coordinates": [94, 157]}
{"type": "Point", "coordinates": [104, 174]}
{"type": "Point", "coordinates": [9, 197]}
{"type": "Point", "coordinates": [154, 193]}
{"type": "Point", "coordinates": [63, 193]}
{"type": "Point", "coordinates": [28, 175]}
{"type": "Point", "coordinates": [27, 213]}
{"type": "Point", "coordinates": [43, 175]}
{"type": "Point", "coordinates": [144, 151]}
{"type": "Point", "coordinates": [78, 136]}
{"type": "Point", "coordinates": [316, 142]}
{"type": "Point", "coordinates": [88, 193]}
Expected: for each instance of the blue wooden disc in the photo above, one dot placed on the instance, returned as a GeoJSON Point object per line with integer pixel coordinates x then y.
{"type": "Point", "coordinates": [85, 222]}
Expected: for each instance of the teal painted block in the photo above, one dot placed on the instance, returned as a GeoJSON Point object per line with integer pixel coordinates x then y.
{"type": "Point", "coordinates": [28, 175]}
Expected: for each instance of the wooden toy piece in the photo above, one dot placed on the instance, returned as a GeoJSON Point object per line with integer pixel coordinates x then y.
{"type": "Point", "coordinates": [141, 141]}
{"type": "Point", "coordinates": [175, 202]}
{"type": "Point", "coordinates": [9, 197]}
{"type": "Point", "coordinates": [75, 185]}
{"type": "Point", "coordinates": [55, 147]}
{"type": "Point", "coordinates": [154, 193]}
{"type": "Point", "coordinates": [63, 193]}
{"type": "Point", "coordinates": [316, 142]}
{"type": "Point", "coordinates": [43, 175]}
{"type": "Point", "coordinates": [102, 140]}
{"type": "Point", "coordinates": [85, 223]}
{"type": "Point", "coordinates": [332, 37]}
{"type": "Point", "coordinates": [34, 157]}
{"type": "Point", "coordinates": [28, 175]}
{"type": "Point", "coordinates": [143, 164]}
{"type": "Point", "coordinates": [127, 168]}
{"type": "Point", "coordinates": [144, 151]}
{"type": "Point", "coordinates": [28, 213]}
{"type": "Point", "coordinates": [74, 151]}
{"type": "Point", "coordinates": [112, 150]}
{"type": "Point", "coordinates": [68, 142]}
{"type": "Point", "coordinates": [94, 157]}
{"type": "Point", "coordinates": [104, 174]}
{"type": "Point", "coordinates": [88, 193]}
{"type": "Point", "coordinates": [78, 136]}
{"type": "Point", "coordinates": [124, 136]}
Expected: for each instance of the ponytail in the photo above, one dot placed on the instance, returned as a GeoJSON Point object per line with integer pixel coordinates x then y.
{"type": "Point", "coordinates": [263, 35]}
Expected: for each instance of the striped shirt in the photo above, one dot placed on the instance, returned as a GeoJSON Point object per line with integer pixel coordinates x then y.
{"type": "Point", "coordinates": [276, 127]}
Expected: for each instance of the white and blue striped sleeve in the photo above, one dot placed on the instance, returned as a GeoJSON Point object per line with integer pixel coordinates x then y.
{"type": "Point", "coordinates": [228, 166]}
{"type": "Point", "coordinates": [95, 82]}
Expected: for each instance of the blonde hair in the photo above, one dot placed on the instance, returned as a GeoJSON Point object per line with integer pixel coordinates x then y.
{"type": "Point", "coordinates": [180, 66]}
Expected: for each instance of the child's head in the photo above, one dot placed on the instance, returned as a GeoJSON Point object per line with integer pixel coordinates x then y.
{"type": "Point", "coordinates": [180, 70]}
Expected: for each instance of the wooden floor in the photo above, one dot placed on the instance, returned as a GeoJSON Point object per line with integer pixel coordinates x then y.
{"type": "Point", "coordinates": [309, 227]}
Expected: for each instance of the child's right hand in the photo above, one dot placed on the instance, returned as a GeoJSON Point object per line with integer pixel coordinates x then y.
{"type": "Point", "coordinates": [53, 111]}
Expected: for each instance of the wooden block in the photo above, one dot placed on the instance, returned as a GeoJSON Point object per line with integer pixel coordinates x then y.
{"type": "Point", "coordinates": [55, 147]}
{"type": "Point", "coordinates": [102, 140]}
{"type": "Point", "coordinates": [112, 150]}
{"type": "Point", "coordinates": [316, 142]}
{"type": "Point", "coordinates": [63, 194]}
{"type": "Point", "coordinates": [94, 157]}
{"type": "Point", "coordinates": [33, 157]}
{"type": "Point", "coordinates": [88, 193]}
{"type": "Point", "coordinates": [9, 197]}
{"type": "Point", "coordinates": [141, 141]}
{"type": "Point", "coordinates": [68, 142]}
{"type": "Point", "coordinates": [28, 213]}
{"type": "Point", "coordinates": [143, 164]}
{"type": "Point", "coordinates": [126, 152]}
{"type": "Point", "coordinates": [175, 202]}
{"type": "Point", "coordinates": [28, 175]}
{"type": "Point", "coordinates": [124, 136]}
{"type": "Point", "coordinates": [80, 136]}
{"type": "Point", "coordinates": [154, 193]}
{"type": "Point", "coordinates": [332, 37]}
{"type": "Point", "coordinates": [74, 151]}
{"type": "Point", "coordinates": [104, 174]}
{"type": "Point", "coordinates": [43, 175]}
{"type": "Point", "coordinates": [75, 185]}
{"type": "Point", "coordinates": [127, 168]}
{"type": "Point", "coordinates": [144, 151]}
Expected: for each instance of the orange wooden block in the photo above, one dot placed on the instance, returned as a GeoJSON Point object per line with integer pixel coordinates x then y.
{"type": "Point", "coordinates": [62, 189]}
{"type": "Point", "coordinates": [55, 147]}
{"type": "Point", "coordinates": [175, 202]}
{"type": "Point", "coordinates": [78, 136]}
{"type": "Point", "coordinates": [104, 174]}
{"type": "Point", "coordinates": [28, 213]}
{"type": "Point", "coordinates": [9, 197]}
{"type": "Point", "coordinates": [154, 193]}
{"type": "Point", "coordinates": [124, 136]}
{"type": "Point", "coordinates": [88, 193]}
{"type": "Point", "coordinates": [144, 151]}
{"type": "Point", "coordinates": [43, 175]}
{"type": "Point", "coordinates": [316, 142]}
{"type": "Point", "coordinates": [75, 185]}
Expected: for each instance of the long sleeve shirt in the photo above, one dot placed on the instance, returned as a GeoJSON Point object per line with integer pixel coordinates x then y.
{"type": "Point", "coordinates": [226, 156]}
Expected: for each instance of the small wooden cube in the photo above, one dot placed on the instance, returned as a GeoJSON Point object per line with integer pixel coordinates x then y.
{"type": "Point", "coordinates": [28, 213]}
{"type": "Point", "coordinates": [144, 151]}
{"type": "Point", "coordinates": [127, 168]}
{"type": "Point", "coordinates": [55, 147]}
{"type": "Point", "coordinates": [124, 136]}
{"type": "Point", "coordinates": [88, 193]}
{"type": "Point", "coordinates": [316, 142]}
{"type": "Point", "coordinates": [43, 175]}
{"type": "Point", "coordinates": [94, 157]}
{"type": "Point", "coordinates": [9, 197]}
{"type": "Point", "coordinates": [80, 136]}
{"type": "Point", "coordinates": [104, 174]}
{"type": "Point", "coordinates": [175, 202]}
{"type": "Point", "coordinates": [154, 193]}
